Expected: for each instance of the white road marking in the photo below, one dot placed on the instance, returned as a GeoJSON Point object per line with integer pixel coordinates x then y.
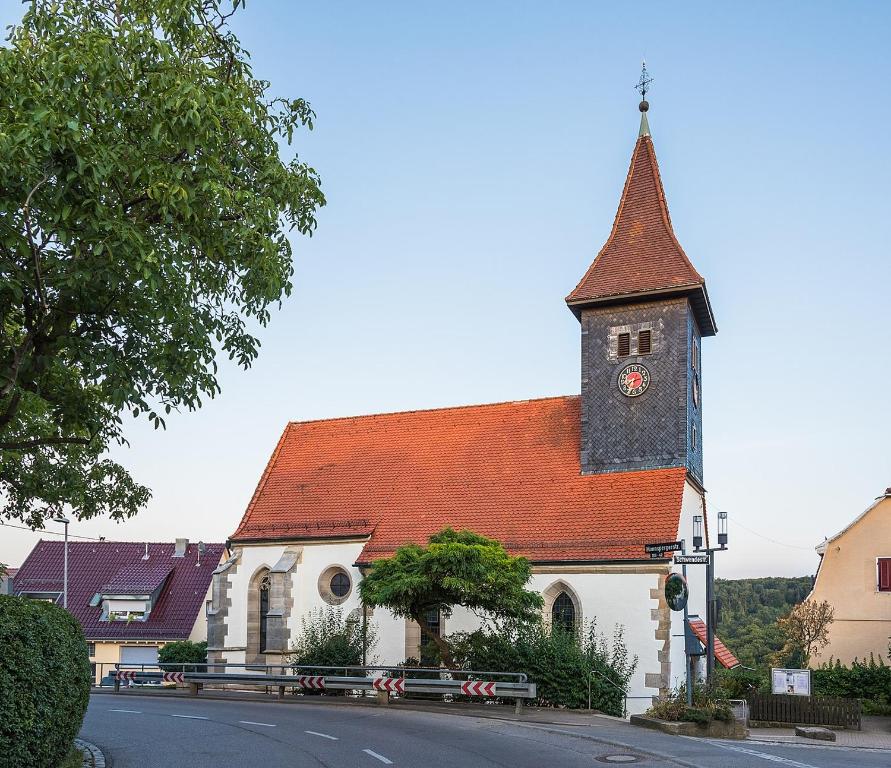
{"type": "Point", "coordinates": [377, 756]}
{"type": "Point", "coordinates": [764, 755]}
{"type": "Point", "coordinates": [131, 711]}
{"type": "Point", "coordinates": [251, 722]}
{"type": "Point", "coordinates": [191, 717]}
{"type": "Point", "coordinates": [323, 735]}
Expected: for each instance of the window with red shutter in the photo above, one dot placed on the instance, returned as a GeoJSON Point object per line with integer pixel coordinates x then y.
{"type": "Point", "coordinates": [884, 567]}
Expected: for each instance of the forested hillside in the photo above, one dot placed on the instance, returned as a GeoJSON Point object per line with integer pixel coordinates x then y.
{"type": "Point", "coordinates": [749, 609]}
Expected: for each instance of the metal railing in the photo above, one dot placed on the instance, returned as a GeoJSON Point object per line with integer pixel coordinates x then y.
{"type": "Point", "coordinates": [382, 680]}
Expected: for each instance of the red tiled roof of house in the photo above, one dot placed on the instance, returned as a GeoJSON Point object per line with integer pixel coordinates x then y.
{"type": "Point", "coordinates": [642, 256]}
{"type": "Point", "coordinates": [509, 471]}
{"type": "Point", "coordinates": [92, 566]}
{"type": "Point", "coordinates": [722, 653]}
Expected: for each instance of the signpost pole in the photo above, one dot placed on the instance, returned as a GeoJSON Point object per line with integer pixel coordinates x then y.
{"type": "Point", "coordinates": [688, 660]}
{"type": "Point", "coordinates": [710, 620]}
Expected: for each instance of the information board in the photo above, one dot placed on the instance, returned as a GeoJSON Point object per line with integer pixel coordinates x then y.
{"type": "Point", "coordinates": [796, 682]}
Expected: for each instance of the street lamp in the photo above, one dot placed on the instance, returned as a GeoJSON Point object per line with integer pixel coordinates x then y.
{"type": "Point", "coordinates": [722, 529]}
{"type": "Point", "coordinates": [697, 532]}
{"type": "Point", "coordinates": [59, 518]}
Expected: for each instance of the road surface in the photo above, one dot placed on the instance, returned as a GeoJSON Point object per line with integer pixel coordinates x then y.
{"type": "Point", "coordinates": [155, 732]}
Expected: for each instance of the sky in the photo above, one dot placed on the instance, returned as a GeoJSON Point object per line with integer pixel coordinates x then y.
{"type": "Point", "coordinates": [473, 155]}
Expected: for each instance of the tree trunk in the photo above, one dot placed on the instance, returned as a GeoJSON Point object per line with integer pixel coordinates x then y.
{"type": "Point", "coordinates": [445, 650]}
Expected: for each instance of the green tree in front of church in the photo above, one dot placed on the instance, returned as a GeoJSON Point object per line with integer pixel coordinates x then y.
{"type": "Point", "coordinates": [454, 568]}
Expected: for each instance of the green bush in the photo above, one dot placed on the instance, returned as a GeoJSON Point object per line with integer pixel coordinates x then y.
{"type": "Point", "coordinates": [706, 706]}
{"type": "Point", "coordinates": [560, 663]}
{"type": "Point", "coordinates": [44, 682]}
{"type": "Point", "coordinates": [330, 640]}
{"type": "Point", "coordinates": [867, 680]}
{"type": "Point", "coordinates": [173, 655]}
{"type": "Point", "coordinates": [738, 683]}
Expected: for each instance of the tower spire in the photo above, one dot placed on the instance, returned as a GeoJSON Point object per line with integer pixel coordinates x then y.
{"type": "Point", "coordinates": [643, 85]}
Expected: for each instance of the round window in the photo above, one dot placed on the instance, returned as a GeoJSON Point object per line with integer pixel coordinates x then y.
{"type": "Point", "coordinates": [335, 585]}
{"type": "Point", "coordinates": [340, 584]}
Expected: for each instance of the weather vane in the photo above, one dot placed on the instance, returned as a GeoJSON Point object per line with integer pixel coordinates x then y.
{"type": "Point", "coordinates": [644, 82]}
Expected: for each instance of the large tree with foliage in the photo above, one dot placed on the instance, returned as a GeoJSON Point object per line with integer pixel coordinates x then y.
{"type": "Point", "coordinates": [144, 212]}
{"type": "Point", "coordinates": [455, 568]}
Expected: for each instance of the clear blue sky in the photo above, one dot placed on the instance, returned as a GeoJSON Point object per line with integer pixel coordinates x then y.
{"type": "Point", "coordinates": [473, 155]}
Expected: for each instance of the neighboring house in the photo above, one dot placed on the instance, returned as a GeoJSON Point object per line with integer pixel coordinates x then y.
{"type": "Point", "coordinates": [854, 577]}
{"type": "Point", "coordinates": [577, 484]}
{"type": "Point", "coordinates": [6, 580]}
{"type": "Point", "coordinates": [130, 598]}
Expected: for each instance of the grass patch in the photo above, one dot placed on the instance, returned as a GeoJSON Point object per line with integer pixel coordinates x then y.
{"type": "Point", "coordinates": [74, 759]}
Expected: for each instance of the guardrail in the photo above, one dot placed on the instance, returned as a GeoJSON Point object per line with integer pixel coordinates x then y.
{"type": "Point", "coordinates": [382, 680]}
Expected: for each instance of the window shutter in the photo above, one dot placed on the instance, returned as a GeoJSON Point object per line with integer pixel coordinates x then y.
{"type": "Point", "coordinates": [624, 344]}
{"type": "Point", "coordinates": [644, 342]}
{"type": "Point", "coordinates": [885, 574]}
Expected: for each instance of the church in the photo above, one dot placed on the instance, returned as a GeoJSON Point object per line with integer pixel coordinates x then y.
{"type": "Point", "coordinates": [577, 484]}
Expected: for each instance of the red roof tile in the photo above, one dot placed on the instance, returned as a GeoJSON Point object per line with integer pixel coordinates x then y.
{"type": "Point", "coordinates": [642, 255]}
{"type": "Point", "coordinates": [93, 566]}
{"type": "Point", "coordinates": [509, 471]}
{"type": "Point", "coordinates": [722, 652]}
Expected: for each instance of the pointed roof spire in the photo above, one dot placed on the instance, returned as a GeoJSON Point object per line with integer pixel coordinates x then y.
{"type": "Point", "coordinates": [643, 85]}
{"type": "Point", "coordinates": [642, 258]}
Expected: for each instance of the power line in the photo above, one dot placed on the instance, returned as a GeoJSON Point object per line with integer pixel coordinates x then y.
{"type": "Point", "coordinates": [761, 535]}
{"type": "Point", "coordinates": [51, 533]}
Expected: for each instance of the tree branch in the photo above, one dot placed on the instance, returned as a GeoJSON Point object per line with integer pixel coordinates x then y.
{"type": "Point", "coordinates": [41, 441]}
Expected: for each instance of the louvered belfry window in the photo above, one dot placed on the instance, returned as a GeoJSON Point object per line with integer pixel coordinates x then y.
{"type": "Point", "coordinates": [644, 342]}
{"type": "Point", "coordinates": [624, 344]}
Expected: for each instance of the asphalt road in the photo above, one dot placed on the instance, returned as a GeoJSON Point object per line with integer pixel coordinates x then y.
{"type": "Point", "coordinates": [154, 732]}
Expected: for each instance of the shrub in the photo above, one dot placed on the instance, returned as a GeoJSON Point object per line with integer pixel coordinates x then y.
{"type": "Point", "coordinates": [44, 682]}
{"type": "Point", "coordinates": [867, 680]}
{"type": "Point", "coordinates": [172, 655]}
{"type": "Point", "coordinates": [560, 663]}
{"type": "Point", "coordinates": [330, 640]}
{"type": "Point", "coordinates": [706, 707]}
{"type": "Point", "coordinates": [738, 683]}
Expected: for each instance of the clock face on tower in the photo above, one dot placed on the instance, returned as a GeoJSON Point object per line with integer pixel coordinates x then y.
{"type": "Point", "coordinates": [634, 380]}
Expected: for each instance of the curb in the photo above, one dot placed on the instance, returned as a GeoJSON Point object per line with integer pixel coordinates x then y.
{"type": "Point", "coordinates": [93, 756]}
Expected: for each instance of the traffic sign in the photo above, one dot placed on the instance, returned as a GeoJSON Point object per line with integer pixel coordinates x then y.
{"type": "Point", "coordinates": [389, 684]}
{"type": "Point", "coordinates": [478, 688]}
{"type": "Point", "coordinates": [663, 547]}
{"type": "Point", "coordinates": [691, 559]}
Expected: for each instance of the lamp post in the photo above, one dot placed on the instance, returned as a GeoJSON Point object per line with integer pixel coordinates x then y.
{"type": "Point", "coordinates": [711, 613]}
{"type": "Point", "coordinates": [64, 520]}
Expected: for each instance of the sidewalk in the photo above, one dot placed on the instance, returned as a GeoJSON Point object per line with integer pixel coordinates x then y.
{"type": "Point", "coordinates": [876, 734]}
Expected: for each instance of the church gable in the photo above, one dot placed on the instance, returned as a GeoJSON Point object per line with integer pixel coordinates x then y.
{"type": "Point", "coordinates": [509, 470]}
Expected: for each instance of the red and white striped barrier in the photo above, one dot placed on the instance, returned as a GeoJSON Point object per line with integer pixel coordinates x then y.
{"type": "Point", "coordinates": [313, 682]}
{"type": "Point", "coordinates": [478, 688]}
{"type": "Point", "coordinates": [126, 674]}
{"type": "Point", "coordinates": [389, 684]}
{"type": "Point", "coordinates": [174, 677]}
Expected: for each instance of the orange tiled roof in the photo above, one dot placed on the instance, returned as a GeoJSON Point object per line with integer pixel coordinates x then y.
{"type": "Point", "coordinates": [642, 255]}
{"type": "Point", "coordinates": [722, 652]}
{"type": "Point", "coordinates": [508, 470]}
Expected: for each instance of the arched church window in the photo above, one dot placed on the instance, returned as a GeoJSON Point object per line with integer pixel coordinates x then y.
{"type": "Point", "coordinates": [563, 613]}
{"type": "Point", "coordinates": [264, 610]}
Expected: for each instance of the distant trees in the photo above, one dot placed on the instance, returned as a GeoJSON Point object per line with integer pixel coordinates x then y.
{"type": "Point", "coordinates": [749, 612]}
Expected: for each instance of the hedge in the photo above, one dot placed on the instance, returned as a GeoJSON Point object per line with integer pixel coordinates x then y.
{"type": "Point", "coordinates": [172, 656]}
{"type": "Point", "coordinates": [44, 682]}
{"type": "Point", "coordinates": [866, 680]}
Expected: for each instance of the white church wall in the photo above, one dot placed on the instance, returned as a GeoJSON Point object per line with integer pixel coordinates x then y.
{"type": "Point", "coordinates": [619, 598]}
{"type": "Point", "coordinates": [252, 560]}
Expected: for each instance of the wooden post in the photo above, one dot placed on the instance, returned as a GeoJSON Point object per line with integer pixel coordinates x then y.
{"type": "Point", "coordinates": [383, 697]}
{"type": "Point", "coordinates": [518, 709]}
{"type": "Point", "coordinates": [281, 691]}
{"type": "Point", "coordinates": [193, 688]}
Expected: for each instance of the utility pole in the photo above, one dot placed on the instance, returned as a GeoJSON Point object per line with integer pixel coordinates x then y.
{"type": "Point", "coordinates": [64, 520]}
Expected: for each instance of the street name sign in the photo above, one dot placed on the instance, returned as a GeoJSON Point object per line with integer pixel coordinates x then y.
{"type": "Point", "coordinates": [691, 559]}
{"type": "Point", "coordinates": [660, 549]}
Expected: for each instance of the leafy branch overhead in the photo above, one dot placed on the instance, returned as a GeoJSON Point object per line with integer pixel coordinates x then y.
{"type": "Point", "coordinates": [144, 218]}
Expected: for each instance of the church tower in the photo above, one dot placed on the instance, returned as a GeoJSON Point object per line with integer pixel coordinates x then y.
{"type": "Point", "coordinates": [643, 310]}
